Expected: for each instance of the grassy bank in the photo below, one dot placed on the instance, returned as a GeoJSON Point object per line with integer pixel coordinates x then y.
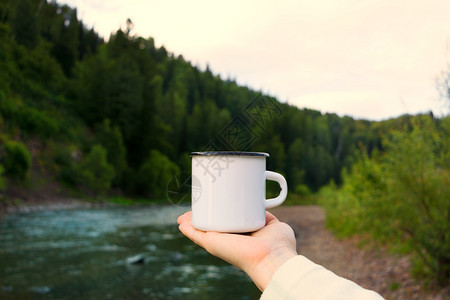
{"type": "Point", "coordinates": [400, 198]}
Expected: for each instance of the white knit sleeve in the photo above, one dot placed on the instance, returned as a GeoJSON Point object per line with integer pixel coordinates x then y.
{"type": "Point", "coordinates": [300, 278]}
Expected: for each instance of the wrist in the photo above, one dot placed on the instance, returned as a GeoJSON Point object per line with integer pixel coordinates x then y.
{"type": "Point", "coordinates": [264, 271]}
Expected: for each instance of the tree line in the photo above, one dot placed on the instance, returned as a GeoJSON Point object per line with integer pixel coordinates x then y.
{"type": "Point", "coordinates": [123, 115]}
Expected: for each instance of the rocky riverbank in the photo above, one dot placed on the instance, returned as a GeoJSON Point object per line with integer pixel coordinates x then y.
{"type": "Point", "coordinates": [53, 204]}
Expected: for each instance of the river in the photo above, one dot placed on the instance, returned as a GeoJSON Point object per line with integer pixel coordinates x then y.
{"type": "Point", "coordinates": [110, 253]}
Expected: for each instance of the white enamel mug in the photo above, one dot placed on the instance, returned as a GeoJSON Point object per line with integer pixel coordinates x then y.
{"type": "Point", "coordinates": [229, 191]}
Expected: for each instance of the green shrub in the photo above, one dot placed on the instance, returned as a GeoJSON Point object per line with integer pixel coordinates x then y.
{"type": "Point", "coordinates": [37, 122]}
{"type": "Point", "coordinates": [417, 176]}
{"type": "Point", "coordinates": [29, 119]}
{"type": "Point", "coordinates": [16, 160]}
{"type": "Point", "coordinates": [401, 196]}
{"type": "Point", "coordinates": [155, 174]}
{"type": "Point", "coordinates": [66, 165]}
{"type": "Point", "coordinates": [302, 189]}
{"type": "Point", "coordinates": [95, 172]}
{"type": "Point", "coordinates": [111, 139]}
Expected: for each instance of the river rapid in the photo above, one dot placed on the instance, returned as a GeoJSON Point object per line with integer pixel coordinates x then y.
{"type": "Point", "coordinates": [110, 253]}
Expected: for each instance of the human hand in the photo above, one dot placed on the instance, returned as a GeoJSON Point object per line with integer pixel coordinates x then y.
{"type": "Point", "coordinates": [259, 254]}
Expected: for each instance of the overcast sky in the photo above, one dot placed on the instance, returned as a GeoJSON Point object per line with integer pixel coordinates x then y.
{"type": "Point", "coordinates": [367, 59]}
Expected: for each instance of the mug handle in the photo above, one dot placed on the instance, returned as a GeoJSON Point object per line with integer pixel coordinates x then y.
{"type": "Point", "coordinates": [272, 202]}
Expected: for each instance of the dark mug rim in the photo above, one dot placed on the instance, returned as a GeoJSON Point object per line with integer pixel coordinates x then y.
{"type": "Point", "coordinates": [221, 153]}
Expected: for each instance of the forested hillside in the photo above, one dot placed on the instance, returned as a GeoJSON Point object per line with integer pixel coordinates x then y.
{"type": "Point", "coordinates": [121, 116]}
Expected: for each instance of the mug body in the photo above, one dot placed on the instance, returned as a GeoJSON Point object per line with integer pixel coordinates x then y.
{"type": "Point", "coordinates": [228, 191]}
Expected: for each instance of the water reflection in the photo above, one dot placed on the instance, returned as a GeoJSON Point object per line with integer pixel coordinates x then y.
{"type": "Point", "coordinates": [111, 253]}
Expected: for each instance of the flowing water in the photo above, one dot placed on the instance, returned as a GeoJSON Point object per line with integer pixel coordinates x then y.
{"type": "Point", "coordinates": [110, 253]}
